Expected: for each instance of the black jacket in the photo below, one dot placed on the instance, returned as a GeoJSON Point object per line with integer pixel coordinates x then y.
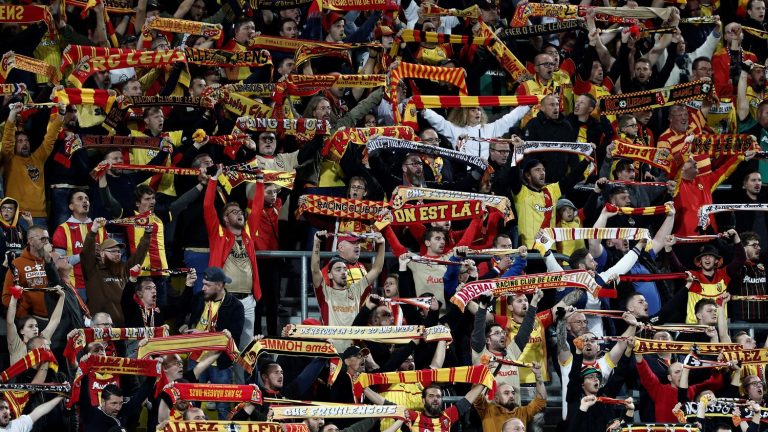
{"type": "Point", "coordinates": [231, 316]}
{"type": "Point", "coordinates": [542, 128]}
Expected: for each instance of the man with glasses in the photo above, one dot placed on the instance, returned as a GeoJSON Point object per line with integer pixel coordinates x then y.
{"type": "Point", "coordinates": [30, 267]}
{"type": "Point", "coordinates": [105, 274]}
{"type": "Point", "coordinates": [545, 82]}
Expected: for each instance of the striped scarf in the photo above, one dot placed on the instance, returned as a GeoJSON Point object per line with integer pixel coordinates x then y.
{"type": "Point", "coordinates": [290, 347]}
{"type": "Point", "coordinates": [12, 61]}
{"type": "Point", "coordinates": [707, 210]}
{"type": "Point", "coordinates": [657, 157]}
{"type": "Point", "coordinates": [99, 170]}
{"type": "Point", "coordinates": [139, 220]}
{"type": "Point", "coordinates": [529, 147]}
{"type": "Point", "coordinates": [334, 410]}
{"type": "Point", "coordinates": [84, 336]}
{"type": "Point", "coordinates": [409, 35]}
{"type": "Point", "coordinates": [640, 211]}
{"type": "Point", "coordinates": [566, 234]}
{"type": "Point", "coordinates": [652, 346]}
{"type": "Point", "coordinates": [12, 89]}
{"type": "Point", "coordinates": [231, 179]}
{"type": "Point", "coordinates": [75, 96]}
{"type": "Point", "coordinates": [27, 15]}
{"type": "Point", "coordinates": [335, 146]}
{"type": "Point", "coordinates": [278, 43]}
{"type": "Point", "coordinates": [540, 29]}
{"type": "Point", "coordinates": [133, 58]}
{"type": "Point", "coordinates": [31, 359]}
{"type": "Point", "coordinates": [653, 277]}
{"type": "Point", "coordinates": [753, 356]}
{"type": "Point", "coordinates": [308, 85]}
{"type": "Point", "coordinates": [285, 126]}
{"type": "Point", "coordinates": [73, 54]}
{"type": "Point", "coordinates": [716, 145]}
{"type": "Point", "coordinates": [422, 102]}
{"type": "Point", "coordinates": [507, 60]}
{"type": "Point", "coordinates": [341, 207]}
{"type": "Point", "coordinates": [175, 25]}
{"type": "Point", "coordinates": [189, 343]}
{"type": "Point", "coordinates": [656, 98]}
{"type": "Point", "coordinates": [454, 76]}
{"type": "Point", "coordinates": [73, 143]}
{"type": "Point", "coordinates": [405, 194]}
{"type": "Point", "coordinates": [478, 374]}
{"type": "Point", "coordinates": [242, 105]}
{"type": "Point", "coordinates": [525, 284]}
{"type": "Point", "coordinates": [213, 392]}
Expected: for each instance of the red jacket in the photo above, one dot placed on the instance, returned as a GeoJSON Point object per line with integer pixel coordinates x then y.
{"type": "Point", "coordinates": [665, 395]}
{"type": "Point", "coordinates": [267, 236]}
{"type": "Point", "coordinates": [221, 239]}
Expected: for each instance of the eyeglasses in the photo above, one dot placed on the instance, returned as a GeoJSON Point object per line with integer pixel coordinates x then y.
{"type": "Point", "coordinates": [755, 384]}
{"type": "Point", "coordinates": [754, 245]}
{"type": "Point", "coordinates": [547, 64]}
{"type": "Point", "coordinates": [235, 212]}
{"type": "Point", "coordinates": [631, 125]}
{"type": "Point", "coordinates": [503, 333]}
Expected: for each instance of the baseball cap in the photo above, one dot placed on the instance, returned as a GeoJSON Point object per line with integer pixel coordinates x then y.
{"type": "Point", "coordinates": [330, 19]}
{"type": "Point", "coordinates": [349, 238]}
{"type": "Point", "coordinates": [353, 351]}
{"type": "Point", "coordinates": [215, 274]}
{"type": "Point", "coordinates": [383, 30]}
{"type": "Point", "coordinates": [589, 370]}
{"type": "Point", "coordinates": [110, 243]}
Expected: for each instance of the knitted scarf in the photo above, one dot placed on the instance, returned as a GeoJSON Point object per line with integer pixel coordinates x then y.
{"type": "Point", "coordinates": [308, 85]}
{"type": "Point", "coordinates": [335, 146]}
{"type": "Point", "coordinates": [73, 54]}
{"type": "Point", "coordinates": [74, 96]}
{"type": "Point", "coordinates": [102, 167]}
{"type": "Point", "coordinates": [657, 157]}
{"type": "Point", "coordinates": [124, 7]}
{"type": "Point", "coordinates": [278, 43]}
{"type": "Point", "coordinates": [384, 334]}
{"type": "Point", "coordinates": [260, 90]}
{"type": "Point", "coordinates": [466, 374]}
{"type": "Point", "coordinates": [133, 58]}
{"type": "Point", "coordinates": [611, 14]}
{"type": "Point", "coordinates": [231, 179]}
{"type": "Point", "coordinates": [110, 366]}
{"type": "Point", "coordinates": [218, 57]}
{"type": "Point", "coordinates": [433, 212]}
{"type": "Point", "coordinates": [565, 234]}
{"type": "Point", "coordinates": [652, 346]}
{"type": "Point", "coordinates": [409, 35]}
{"type": "Point", "coordinates": [30, 360]}
{"type": "Point", "coordinates": [357, 5]}
{"type": "Point", "coordinates": [242, 105]}
{"type": "Point", "coordinates": [697, 238]}
{"type": "Point", "coordinates": [753, 356]}
{"type": "Point", "coordinates": [640, 211]}
{"type": "Point", "coordinates": [656, 98]}
{"type": "Point", "coordinates": [341, 207]}
{"type": "Point", "coordinates": [189, 343]}
{"type": "Point", "coordinates": [285, 126]}
{"type": "Point", "coordinates": [27, 15]}
{"type": "Point", "coordinates": [707, 210]}
{"type": "Point", "coordinates": [82, 337]}
{"type": "Point", "coordinates": [12, 89]}
{"type": "Point", "coordinates": [230, 426]}
{"type": "Point", "coordinates": [405, 146]}
{"type": "Point", "coordinates": [525, 284]}
{"type": "Point", "coordinates": [529, 147]}
{"type": "Point", "coordinates": [405, 194]}
{"type": "Point", "coordinates": [653, 277]}
{"type": "Point", "coordinates": [139, 220]}
{"type": "Point", "coordinates": [716, 145]}
{"type": "Point", "coordinates": [73, 143]}
{"type": "Point", "coordinates": [403, 70]}
{"type": "Point", "coordinates": [213, 392]}
{"type": "Point", "coordinates": [428, 10]}
{"type": "Point", "coordinates": [507, 60]}
{"type": "Point", "coordinates": [332, 410]}
{"type": "Point", "coordinates": [290, 347]}
{"type": "Point", "coordinates": [12, 61]}
{"type": "Point", "coordinates": [540, 29]}
{"type": "Point", "coordinates": [175, 25]}
{"type": "Point", "coordinates": [422, 102]}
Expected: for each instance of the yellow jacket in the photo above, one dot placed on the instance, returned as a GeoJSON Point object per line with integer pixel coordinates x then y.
{"type": "Point", "coordinates": [27, 173]}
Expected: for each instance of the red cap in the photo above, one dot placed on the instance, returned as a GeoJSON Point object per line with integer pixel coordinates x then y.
{"type": "Point", "coordinates": [349, 238]}
{"type": "Point", "coordinates": [330, 19]}
{"type": "Point", "coordinates": [382, 30]}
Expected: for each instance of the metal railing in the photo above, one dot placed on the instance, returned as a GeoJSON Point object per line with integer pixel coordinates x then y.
{"type": "Point", "coordinates": [304, 257]}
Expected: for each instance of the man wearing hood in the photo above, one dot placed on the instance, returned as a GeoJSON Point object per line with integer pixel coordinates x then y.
{"type": "Point", "coordinates": [13, 233]}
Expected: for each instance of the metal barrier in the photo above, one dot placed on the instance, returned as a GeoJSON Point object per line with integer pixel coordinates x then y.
{"type": "Point", "coordinates": [304, 256]}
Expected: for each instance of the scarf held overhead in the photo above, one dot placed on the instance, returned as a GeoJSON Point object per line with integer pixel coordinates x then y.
{"type": "Point", "coordinates": [406, 146]}
{"type": "Point", "coordinates": [433, 212]}
{"type": "Point", "coordinates": [403, 70]}
{"type": "Point", "coordinates": [657, 157]}
{"type": "Point", "coordinates": [230, 426]}
{"type": "Point", "coordinates": [652, 346]}
{"type": "Point", "coordinates": [524, 285]}
{"type": "Point", "coordinates": [372, 333]}
{"type": "Point", "coordinates": [341, 207]}
{"type": "Point", "coordinates": [337, 411]}
{"type": "Point", "coordinates": [656, 98]}
{"type": "Point", "coordinates": [466, 374]}
{"type": "Point", "coordinates": [31, 359]}
{"type": "Point", "coordinates": [405, 194]}
{"type": "Point", "coordinates": [707, 210]}
{"type": "Point", "coordinates": [12, 61]}
{"type": "Point", "coordinates": [213, 392]}
{"type": "Point", "coordinates": [335, 146]}
{"type": "Point", "coordinates": [84, 336]}
{"type": "Point", "coordinates": [248, 359]}
{"type": "Point", "coordinates": [186, 343]}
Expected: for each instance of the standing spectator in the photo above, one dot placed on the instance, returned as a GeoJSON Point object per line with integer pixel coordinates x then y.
{"type": "Point", "coordinates": [233, 249]}
{"type": "Point", "coordinates": [215, 309]}
{"type": "Point", "coordinates": [12, 232]}
{"type": "Point", "coordinates": [26, 168]}
{"type": "Point", "coordinates": [750, 280]}
{"type": "Point", "coordinates": [69, 236]}
{"type": "Point", "coordinates": [30, 269]}
{"type": "Point", "coordinates": [106, 275]}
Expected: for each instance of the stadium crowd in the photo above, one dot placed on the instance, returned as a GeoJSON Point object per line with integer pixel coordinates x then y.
{"type": "Point", "coordinates": [571, 193]}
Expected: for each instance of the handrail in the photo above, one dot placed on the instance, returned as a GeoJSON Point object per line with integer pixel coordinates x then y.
{"type": "Point", "coordinates": [305, 255]}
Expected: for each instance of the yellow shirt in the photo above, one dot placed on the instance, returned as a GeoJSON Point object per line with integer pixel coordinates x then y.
{"type": "Point", "coordinates": [536, 349]}
{"type": "Point", "coordinates": [143, 156]}
{"type": "Point", "coordinates": [532, 208]}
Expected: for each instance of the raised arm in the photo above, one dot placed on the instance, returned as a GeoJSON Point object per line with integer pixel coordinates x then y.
{"type": "Point", "coordinates": [50, 329]}
{"type": "Point", "coordinates": [45, 408]}
{"type": "Point", "coordinates": [317, 275]}
{"type": "Point", "coordinates": [378, 263]}
{"type": "Point", "coordinates": [664, 230]}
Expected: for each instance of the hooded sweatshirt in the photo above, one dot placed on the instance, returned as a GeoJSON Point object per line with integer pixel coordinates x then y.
{"type": "Point", "coordinates": [31, 275]}
{"type": "Point", "coordinates": [13, 237]}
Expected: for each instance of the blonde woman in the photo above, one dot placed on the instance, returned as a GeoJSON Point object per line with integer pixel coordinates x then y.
{"type": "Point", "coordinates": [474, 123]}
